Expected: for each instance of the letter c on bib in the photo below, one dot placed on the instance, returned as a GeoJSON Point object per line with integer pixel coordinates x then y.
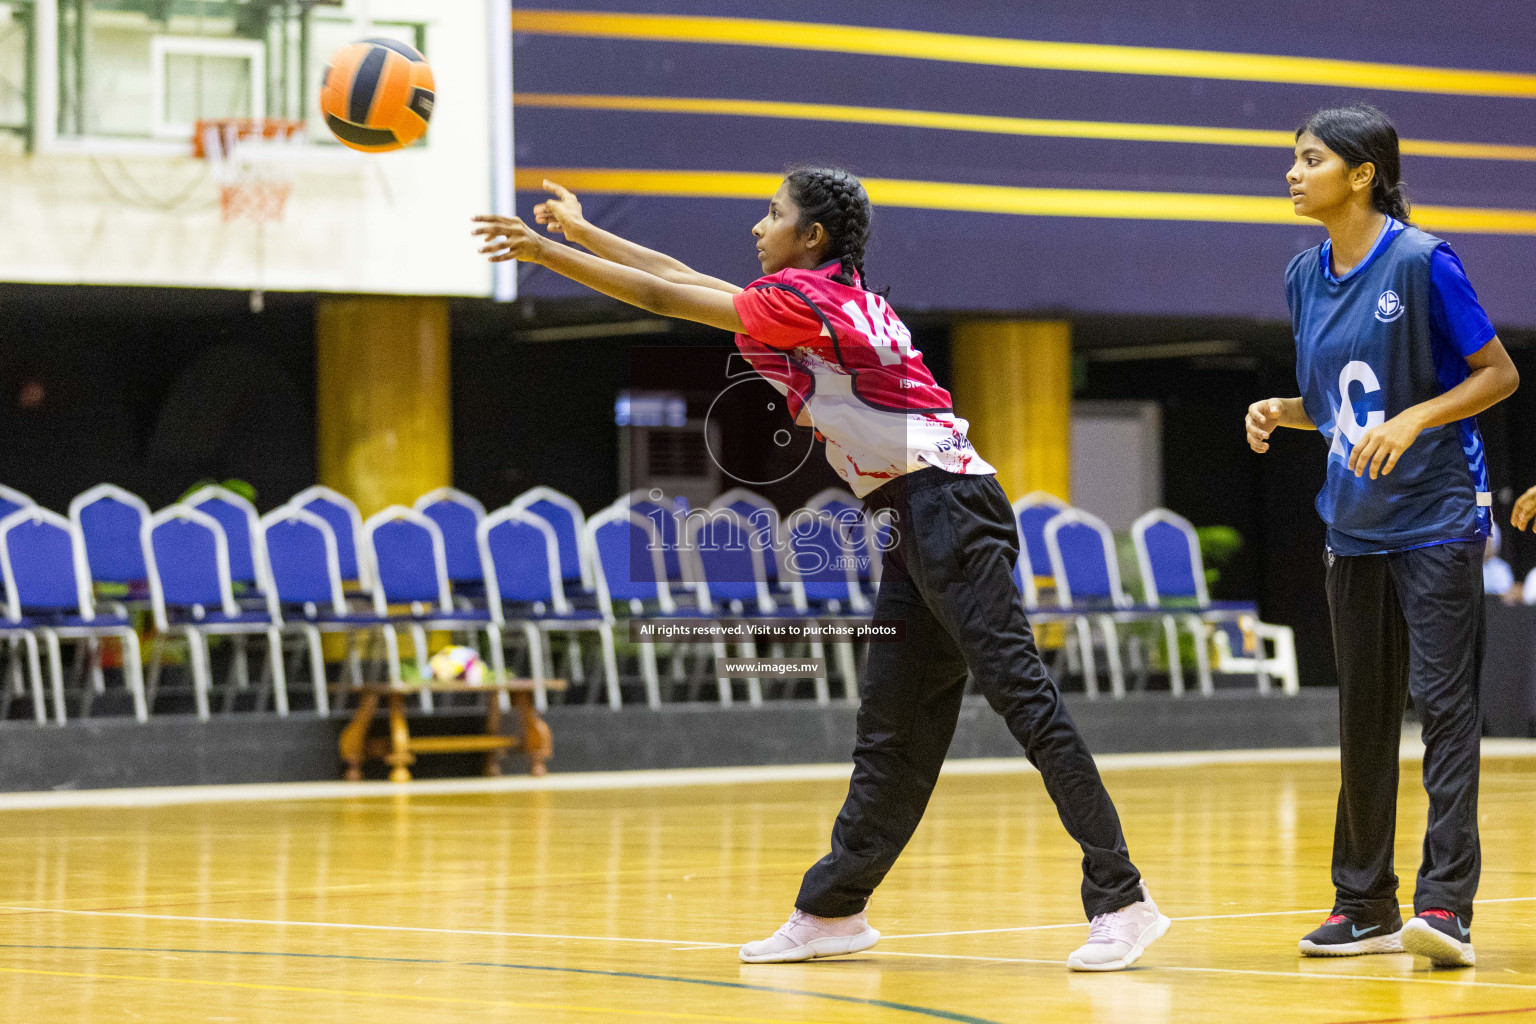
{"type": "Point", "coordinates": [1346, 423]}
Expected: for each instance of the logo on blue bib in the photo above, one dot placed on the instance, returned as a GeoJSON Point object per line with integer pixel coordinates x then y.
{"type": "Point", "coordinates": [1389, 307]}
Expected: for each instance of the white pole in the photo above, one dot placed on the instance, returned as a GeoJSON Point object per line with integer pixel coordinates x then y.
{"type": "Point", "coordinates": [362, 18]}
{"type": "Point", "coordinates": [503, 185]}
{"type": "Point", "coordinates": [45, 31]}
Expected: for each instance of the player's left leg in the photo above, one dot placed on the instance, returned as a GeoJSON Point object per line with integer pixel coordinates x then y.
{"type": "Point", "coordinates": [1441, 589]}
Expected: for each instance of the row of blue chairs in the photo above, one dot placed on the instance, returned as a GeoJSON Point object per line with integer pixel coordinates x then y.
{"type": "Point", "coordinates": [190, 557]}
{"type": "Point", "coordinates": [540, 567]}
{"type": "Point", "coordinates": [1069, 568]}
{"type": "Point", "coordinates": [211, 566]}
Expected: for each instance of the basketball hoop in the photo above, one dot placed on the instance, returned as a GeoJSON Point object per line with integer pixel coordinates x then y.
{"type": "Point", "coordinates": [249, 158]}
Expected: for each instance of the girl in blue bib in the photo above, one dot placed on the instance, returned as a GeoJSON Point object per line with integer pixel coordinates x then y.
{"type": "Point", "coordinates": [1394, 358]}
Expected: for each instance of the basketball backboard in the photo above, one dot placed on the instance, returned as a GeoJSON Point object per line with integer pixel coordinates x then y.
{"type": "Point", "coordinates": [106, 93]}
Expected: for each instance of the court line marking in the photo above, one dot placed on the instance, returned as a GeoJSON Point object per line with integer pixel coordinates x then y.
{"type": "Point", "coordinates": [450, 1000]}
{"type": "Point", "coordinates": [1156, 969]}
{"type": "Point", "coordinates": [885, 1004]}
{"type": "Point", "coordinates": [343, 925]}
{"type": "Point", "coordinates": [669, 778]}
{"type": "Point", "coordinates": [1199, 917]}
{"type": "Point", "coordinates": [1463, 1015]}
{"type": "Point", "coordinates": [680, 944]}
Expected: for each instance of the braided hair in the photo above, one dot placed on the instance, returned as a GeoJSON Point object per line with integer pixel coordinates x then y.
{"type": "Point", "coordinates": [835, 199]}
{"type": "Point", "coordinates": [1362, 134]}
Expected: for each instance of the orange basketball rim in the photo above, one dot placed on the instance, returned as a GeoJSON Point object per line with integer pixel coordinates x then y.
{"type": "Point", "coordinates": [377, 95]}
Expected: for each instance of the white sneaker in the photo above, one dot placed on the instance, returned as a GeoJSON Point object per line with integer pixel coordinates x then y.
{"type": "Point", "coordinates": [806, 937]}
{"type": "Point", "coordinates": [1117, 940]}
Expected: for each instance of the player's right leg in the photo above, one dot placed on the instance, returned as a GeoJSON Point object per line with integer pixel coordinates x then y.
{"type": "Point", "coordinates": [1370, 642]}
{"type": "Point", "coordinates": [964, 545]}
{"type": "Point", "coordinates": [910, 703]}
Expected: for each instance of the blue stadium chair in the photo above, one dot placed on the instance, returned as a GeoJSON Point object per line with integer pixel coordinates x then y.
{"type": "Point", "coordinates": [1173, 574]}
{"type": "Point", "coordinates": [49, 592]}
{"type": "Point", "coordinates": [520, 557]}
{"type": "Point", "coordinates": [732, 553]}
{"type": "Point", "coordinates": [576, 559]}
{"type": "Point", "coordinates": [827, 545]}
{"type": "Point", "coordinates": [763, 516]}
{"type": "Point", "coordinates": [191, 590]}
{"type": "Point", "coordinates": [631, 573]}
{"type": "Point", "coordinates": [19, 635]}
{"type": "Point", "coordinates": [1081, 549]}
{"type": "Point", "coordinates": [836, 501]}
{"type": "Point", "coordinates": [346, 524]}
{"type": "Point", "coordinates": [832, 540]}
{"type": "Point", "coordinates": [110, 521]}
{"type": "Point", "coordinates": [307, 595]}
{"type": "Point", "coordinates": [570, 525]}
{"type": "Point", "coordinates": [1032, 512]}
{"type": "Point", "coordinates": [1167, 552]}
{"type": "Point", "coordinates": [405, 549]}
{"type": "Point", "coordinates": [242, 531]}
{"type": "Point", "coordinates": [11, 500]}
{"type": "Point", "coordinates": [458, 516]}
{"type": "Point", "coordinates": [666, 513]}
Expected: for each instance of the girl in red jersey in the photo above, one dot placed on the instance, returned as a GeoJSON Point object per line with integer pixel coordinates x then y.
{"type": "Point", "coordinates": [848, 368]}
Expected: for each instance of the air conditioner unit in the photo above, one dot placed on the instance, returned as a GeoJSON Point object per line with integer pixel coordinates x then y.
{"type": "Point", "coordinates": [673, 459]}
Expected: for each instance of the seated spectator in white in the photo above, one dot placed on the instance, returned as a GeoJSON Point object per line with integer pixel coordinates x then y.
{"type": "Point", "coordinates": [1498, 577]}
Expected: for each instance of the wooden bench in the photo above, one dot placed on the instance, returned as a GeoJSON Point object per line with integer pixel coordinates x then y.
{"type": "Point", "coordinates": [399, 749]}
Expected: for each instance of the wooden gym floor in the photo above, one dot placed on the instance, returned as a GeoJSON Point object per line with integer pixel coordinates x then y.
{"type": "Point", "coordinates": [556, 906]}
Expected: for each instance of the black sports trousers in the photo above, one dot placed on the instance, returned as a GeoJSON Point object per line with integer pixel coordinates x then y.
{"type": "Point", "coordinates": [1410, 622]}
{"type": "Point", "coordinates": [949, 578]}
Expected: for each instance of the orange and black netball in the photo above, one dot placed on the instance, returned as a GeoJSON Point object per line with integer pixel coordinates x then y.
{"type": "Point", "coordinates": [377, 95]}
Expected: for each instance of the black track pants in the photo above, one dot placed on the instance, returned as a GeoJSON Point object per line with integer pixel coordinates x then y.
{"type": "Point", "coordinates": [949, 579]}
{"type": "Point", "coordinates": [1407, 623]}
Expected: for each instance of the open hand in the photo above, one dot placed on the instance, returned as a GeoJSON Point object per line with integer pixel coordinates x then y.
{"type": "Point", "coordinates": [1525, 509]}
{"type": "Point", "coordinates": [1263, 417]}
{"type": "Point", "coordinates": [561, 213]}
{"type": "Point", "coordinates": [508, 238]}
{"type": "Point", "coordinates": [1382, 445]}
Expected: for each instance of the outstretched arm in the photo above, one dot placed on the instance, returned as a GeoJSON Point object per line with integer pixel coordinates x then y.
{"type": "Point", "coordinates": [508, 238]}
{"type": "Point", "coordinates": [562, 215]}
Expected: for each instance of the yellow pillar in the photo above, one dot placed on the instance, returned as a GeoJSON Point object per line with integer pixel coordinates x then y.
{"type": "Point", "coordinates": [1013, 382]}
{"type": "Point", "coordinates": [385, 423]}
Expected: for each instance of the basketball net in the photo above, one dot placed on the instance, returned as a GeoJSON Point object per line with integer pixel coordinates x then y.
{"type": "Point", "coordinates": [249, 159]}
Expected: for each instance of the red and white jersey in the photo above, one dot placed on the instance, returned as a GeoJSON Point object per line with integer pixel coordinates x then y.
{"type": "Point", "coordinates": [846, 364]}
